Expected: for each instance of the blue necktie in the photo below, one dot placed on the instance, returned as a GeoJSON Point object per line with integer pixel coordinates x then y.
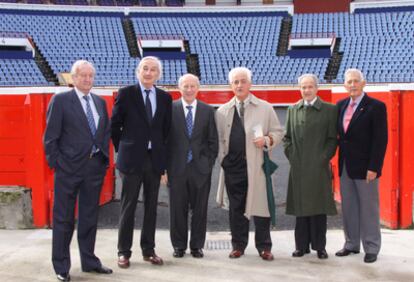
{"type": "Point", "coordinates": [148, 107]}
{"type": "Point", "coordinates": [189, 125]}
{"type": "Point", "coordinates": [91, 120]}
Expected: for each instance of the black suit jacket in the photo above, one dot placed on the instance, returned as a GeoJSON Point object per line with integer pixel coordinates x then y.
{"type": "Point", "coordinates": [203, 141]}
{"type": "Point", "coordinates": [68, 140]}
{"type": "Point", "coordinates": [131, 130]}
{"type": "Point", "coordinates": [363, 145]}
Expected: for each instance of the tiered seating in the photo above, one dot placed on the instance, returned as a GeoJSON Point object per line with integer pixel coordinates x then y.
{"type": "Point", "coordinates": [377, 43]}
{"type": "Point", "coordinates": [224, 42]}
{"type": "Point", "coordinates": [19, 72]}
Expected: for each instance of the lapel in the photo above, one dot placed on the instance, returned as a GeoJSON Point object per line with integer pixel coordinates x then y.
{"type": "Point", "coordinates": [77, 108]}
{"type": "Point", "coordinates": [100, 110]}
{"type": "Point", "coordinates": [159, 106]}
{"type": "Point", "coordinates": [179, 113]}
{"type": "Point", "coordinates": [198, 118]}
{"type": "Point", "coordinates": [359, 111]}
{"type": "Point", "coordinates": [139, 101]}
{"type": "Point", "coordinates": [342, 110]}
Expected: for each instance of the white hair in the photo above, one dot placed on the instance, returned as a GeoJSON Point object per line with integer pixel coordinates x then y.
{"type": "Point", "coordinates": [237, 70]}
{"type": "Point", "coordinates": [150, 58]}
{"type": "Point", "coordinates": [188, 75]}
{"type": "Point", "coordinates": [310, 75]}
{"type": "Point", "coordinates": [78, 64]}
{"type": "Point", "coordinates": [357, 71]}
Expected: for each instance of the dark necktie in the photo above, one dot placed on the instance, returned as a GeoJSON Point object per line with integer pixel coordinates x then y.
{"type": "Point", "coordinates": [189, 125]}
{"type": "Point", "coordinates": [91, 120]}
{"type": "Point", "coordinates": [241, 112]}
{"type": "Point", "coordinates": [148, 107]}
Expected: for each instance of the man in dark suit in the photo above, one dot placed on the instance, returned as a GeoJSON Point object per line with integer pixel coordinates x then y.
{"type": "Point", "coordinates": [363, 137]}
{"type": "Point", "coordinates": [141, 121]}
{"type": "Point", "coordinates": [76, 142]}
{"type": "Point", "coordinates": [192, 150]}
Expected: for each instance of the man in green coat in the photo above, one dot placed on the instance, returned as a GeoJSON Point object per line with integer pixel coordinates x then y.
{"type": "Point", "coordinates": [310, 142]}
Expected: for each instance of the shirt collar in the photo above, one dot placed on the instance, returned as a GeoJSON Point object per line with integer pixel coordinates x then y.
{"type": "Point", "coordinates": [143, 88]}
{"type": "Point", "coordinates": [246, 101]}
{"type": "Point", "coordinates": [80, 94]}
{"type": "Point", "coordinates": [311, 103]}
{"type": "Point", "coordinates": [185, 104]}
{"type": "Point", "coordinates": [358, 99]}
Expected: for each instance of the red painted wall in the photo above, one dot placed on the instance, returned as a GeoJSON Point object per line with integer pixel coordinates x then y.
{"type": "Point", "coordinates": [321, 6]}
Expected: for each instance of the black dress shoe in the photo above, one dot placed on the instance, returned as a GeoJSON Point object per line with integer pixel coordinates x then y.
{"type": "Point", "coordinates": [345, 252]}
{"type": "Point", "coordinates": [322, 254]}
{"type": "Point", "coordinates": [370, 258]}
{"type": "Point", "coordinates": [100, 270]}
{"type": "Point", "coordinates": [197, 253]}
{"type": "Point", "coordinates": [178, 253]}
{"type": "Point", "coordinates": [300, 253]}
{"type": "Point", "coordinates": [63, 277]}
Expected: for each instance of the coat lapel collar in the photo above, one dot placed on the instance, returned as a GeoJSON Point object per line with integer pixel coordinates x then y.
{"type": "Point", "coordinates": [139, 101]}
{"type": "Point", "coordinates": [78, 109]}
{"type": "Point", "coordinates": [359, 111]}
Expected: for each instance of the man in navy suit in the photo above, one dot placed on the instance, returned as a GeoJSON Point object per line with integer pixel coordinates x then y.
{"type": "Point", "coordinates": [192, 150]}
{"type": "Point", "coordinates": [363, 138]}
{"type": "Point", "coordinates": [76, 142]}
{"type": "Point", "coordinates": [141, 121]}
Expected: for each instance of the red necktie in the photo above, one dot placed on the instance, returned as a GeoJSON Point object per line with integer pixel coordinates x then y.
{"type": "Point", "coordinates": [348, 115]}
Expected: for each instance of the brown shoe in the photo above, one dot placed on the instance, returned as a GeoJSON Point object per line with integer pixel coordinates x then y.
{"type": "Point", "coordinates": [236, 254]}
{"type": "Point", "coordinates": [266, 255]}
{"type": "Point", "coordinates": [154, 259]}
{"type": "Point", "coordinates": [123, 262]}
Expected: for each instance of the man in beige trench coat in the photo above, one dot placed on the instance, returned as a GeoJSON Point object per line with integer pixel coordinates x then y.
{"type": "Point", "coordinates": [246, 126]}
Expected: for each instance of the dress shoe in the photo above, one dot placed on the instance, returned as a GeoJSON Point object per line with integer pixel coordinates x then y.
{"type": "Point", "coordinates": [63, 277]}
{"type": "Point", "coordinates": [300, 253]}
{"type": "Point", "coordinates": [345, 252]}
{"type": "Point", "coordinates": [178, 253]}
{"type": "Point", "coordinates": [123, 262]}
{"type": "Point", "coordinates": [266, 255]}
{"type": "Point", "coordinates": [154, 259]}
{"type": "Point", "coordinates": [370, 258]}
{"type": "Point", "coordinates": [101, 270]}
{"type": "Point", "coordinates": [197, 253]}
{"type": "Point", "coordinates": [236, 254]}
{"type": "Point", "coordinates": [322, 254]}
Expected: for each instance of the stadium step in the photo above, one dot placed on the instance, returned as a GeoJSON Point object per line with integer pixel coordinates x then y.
{"type": "Point", "coordinates": [285, 31]}
{"type": "Point", "coordinates": [334, 62]}
{"type": "Point", "coordinates": [44, 66]}
{"type": "Point", "coordinates": [130, 37]}
{"type": "Point", "coordinates": [193, 65]}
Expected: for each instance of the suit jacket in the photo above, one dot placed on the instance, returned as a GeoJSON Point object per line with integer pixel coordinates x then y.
{"type": "Point", "coordinates": [68, 139]}
{"type": "Point", "coordinates": [363, 145]}
{"type": "Point", "coordinates": [131, 130]}
{"type": "Point", "coordinates": [203, 141]}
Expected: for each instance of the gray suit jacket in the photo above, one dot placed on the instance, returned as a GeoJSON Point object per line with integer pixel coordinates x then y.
{"type": "Point", "coordinates": [203, 142]}
{"type": "Point", "coordinates": [68, 140]}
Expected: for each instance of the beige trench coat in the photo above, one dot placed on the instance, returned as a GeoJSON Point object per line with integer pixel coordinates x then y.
{"type": "Point", "coordinates": [256, 112]}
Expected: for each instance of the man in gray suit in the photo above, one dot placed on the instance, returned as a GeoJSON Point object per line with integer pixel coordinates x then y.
{"type": "Point", "coordinates": [77, 147]}
{"type": "Point", "coordinates": [192, 148]}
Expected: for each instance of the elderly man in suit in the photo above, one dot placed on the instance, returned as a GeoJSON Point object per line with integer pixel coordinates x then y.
{"type": "Point", "coordinates": [192, 151]}
{"type": "Point", "coordinates": [310, 142]}
{"type": "Point", "coordinates": [246, 126]}
{"type": "Point", "coordinates": [141, 121]}
{"type": "Point", "coordinates": [76, 142]}
{"type": "Point", "coordinates": [363, 138]}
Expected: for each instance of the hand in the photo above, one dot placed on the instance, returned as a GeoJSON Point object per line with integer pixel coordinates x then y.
{"type": "Point", "coordinates": [371, 175]}
{"type": "Point", "coordinates": [164, 179]}
{"type": "Point", "coordinates": [259, 142]}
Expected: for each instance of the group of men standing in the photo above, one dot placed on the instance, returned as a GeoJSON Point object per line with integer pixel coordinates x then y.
{"type": "Point", "coordinates": [177, 143]}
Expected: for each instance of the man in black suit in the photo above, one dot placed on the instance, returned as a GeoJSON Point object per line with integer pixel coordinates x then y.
{"type": "Point", "coordinates": [192, 150]}
{"type": "Point", "coordinates": [76, 142]}
{"type": "Point", "coordinates": [141, 121]}
{"type": "Point", "coordinates": [363, 137]}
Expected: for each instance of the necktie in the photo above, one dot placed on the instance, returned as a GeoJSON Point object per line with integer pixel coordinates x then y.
{"type": "Point", "coordinates": [241, 112]}
{"type": "Point", "coordinates": [189, 125]}
{"type": "Point", "coordinates": [348, 115]}
{"type": "Point", "coordinates": [91, 120]}
{"type": "Point", "coordinates": [148, 107]}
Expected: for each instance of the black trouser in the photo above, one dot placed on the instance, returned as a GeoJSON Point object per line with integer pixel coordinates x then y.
{"type": "Point", "coordinates": [311, 231]}
{"type": "Point", "coordinates": [189, 191]}
{"type": "Point", "coordinates": [87, 183]}
{"type": "Point", "coordinates": [236, 185]}
{"type": "Point", "coordinates": [131, 184]}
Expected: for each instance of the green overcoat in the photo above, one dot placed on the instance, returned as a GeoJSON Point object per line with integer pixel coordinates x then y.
{"type": "Point", "coordinates": [310, 142]}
